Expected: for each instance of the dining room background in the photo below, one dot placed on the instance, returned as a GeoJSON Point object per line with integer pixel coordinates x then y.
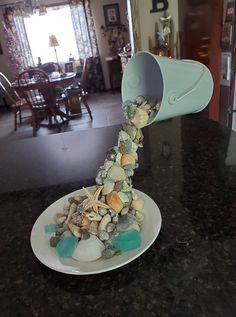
{"type": "Point", "coordinates": [76, 25]}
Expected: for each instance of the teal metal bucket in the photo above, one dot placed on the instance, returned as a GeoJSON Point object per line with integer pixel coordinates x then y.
{"type": "Point", "coordinates": [182, 86]}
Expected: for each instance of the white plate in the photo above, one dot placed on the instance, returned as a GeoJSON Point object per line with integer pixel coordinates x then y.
{"type": "Point", "coordinates": [48, 256]}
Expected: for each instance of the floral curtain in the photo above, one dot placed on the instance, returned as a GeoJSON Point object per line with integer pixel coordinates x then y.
{"type": "Point", "coordinates": [87, 43]}
{"type": "Point", "coordinates": [17, 41]}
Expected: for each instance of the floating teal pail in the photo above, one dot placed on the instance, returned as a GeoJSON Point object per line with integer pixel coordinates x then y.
{"type": "Point", "coordinates": [182, 86]}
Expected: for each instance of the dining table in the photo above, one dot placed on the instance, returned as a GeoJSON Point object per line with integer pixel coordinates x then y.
{"type": "Point", "coordinates": [187, 167]}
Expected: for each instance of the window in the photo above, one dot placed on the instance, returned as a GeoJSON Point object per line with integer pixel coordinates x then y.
{"type": "Point", "coordinates": [57, 21]}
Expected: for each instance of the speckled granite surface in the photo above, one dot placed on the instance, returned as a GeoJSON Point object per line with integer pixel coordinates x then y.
{"type": "Point", "coordinates": [188, 167]}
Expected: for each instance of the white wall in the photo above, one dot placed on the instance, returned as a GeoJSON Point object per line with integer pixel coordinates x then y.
{"type": "Point", "coordinates": [148, 20]}
{"type": "Point", "coordinates": [98, 15]}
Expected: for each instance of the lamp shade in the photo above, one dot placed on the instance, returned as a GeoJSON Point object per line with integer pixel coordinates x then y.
{"type": "Point", "coordinates": [53, 41]}
{"type": "Point", "coordinates": [182, 86]}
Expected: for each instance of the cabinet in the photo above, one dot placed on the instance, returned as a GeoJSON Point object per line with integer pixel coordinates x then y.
{"type": "Point", "coordinates": [114, 71]}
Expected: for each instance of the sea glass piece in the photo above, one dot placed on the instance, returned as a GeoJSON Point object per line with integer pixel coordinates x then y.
{"type": "Point", "coordinates": [127, 241]}
{"type": "Point", "coordinates": [49, 229]}
{"type": "Point", "coordinates": [66, 246]}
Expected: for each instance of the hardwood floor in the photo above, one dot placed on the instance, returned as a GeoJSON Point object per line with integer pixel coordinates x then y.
{"type": "Point", "coordinates": [105, 107]}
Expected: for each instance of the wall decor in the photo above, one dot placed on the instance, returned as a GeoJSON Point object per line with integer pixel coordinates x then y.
{"type": "Point", "coordinates": [159, 6]}
{"type": "Point", "coordinates": [112, 14]}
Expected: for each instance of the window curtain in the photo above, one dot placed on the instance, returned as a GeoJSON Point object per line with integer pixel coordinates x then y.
{"type": "Point", "coordinates": [87, 43]}
{"type": "Point", "coordinates": [17, 41]}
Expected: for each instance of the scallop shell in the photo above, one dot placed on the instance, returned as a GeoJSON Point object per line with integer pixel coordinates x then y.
{"type": "Point", "coordinates": [93, 228]}
{"type": "Point", "coordinates": [107, 188]}
{"type": "Point", "coordinates": [124, 198]}
{"type": "Point", "coordinates": [137, 204]}
{"type": "Point", "coordinates": [88, 250]}
{"type": "Point", "coordinates": [127, 159]}
{"type": "Point", "coordinates": [114, 201]}
{"type": "Point", "coordinates": [116, 173]}
{"type": "Point", "coordinates": [141, 118]}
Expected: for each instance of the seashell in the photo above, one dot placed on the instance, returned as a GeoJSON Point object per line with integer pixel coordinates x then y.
{"type": "Point", "coordinates": [139, 216]}
{"type": "Point", "coordinates": [127, 223]}
{"type": "Point", "coordinates": [102, 211]}
{"type": "Point", "coordinates": [59, 218]}
{"type": "Point", "coordinates": [108, 164]}
{"type": "Point", "coordinates": [116, 173]}
{"type": "Point", "coordinates": [67, 233]}
{"type": "Point", "coordinates": [112, 212]}
{"type": "Point", "coordinates": [80, 209]}
{"type": "Point", "coordinates": [73, 208]}
{"type": "Point", "coordinates": [118, 157]}
{"type": "Point", "coordinates": [140, 99]}
{"type": "Point", "coordinates": [74, 229]}
{"type": "Point", "coordinates": [85, 222]}
{"type": "Point", "coordinates": [110, 227]}
{"type": "Point", "coordinates": [84, 234]}
{"type": "Point", "coordinates": [103, 235]}
{"type": "Point", "coordinates": [72, 200]}
{"type": "Point", "coordinates": [125, 146]}
{"type": "Point", "coordinates": [137, 204]}
{"type": "Point", "coordinates": [66, 207]}
{"type": "Point", "coordinates": [124, 211]}
{"type": "Point", "coordinates": [111, 154]}
{"type": "Point", "coordinates": [139, 136]}
{"type": "Point", "coordinates": [107, 188]}
{"type": "Point", "coordinates": [126, 187]}
{"type": "Point", "coordinates": [115, 219]}
{"type": "Point", "coordinates": [124, 223]}
{"type": "Point", "coordinates": [104, 222]}
{"type": "Point", "coordinates": [93, 228]}
{"type": "Point", "coordinates": [141, 118]}
{"type": "Point", "coordinates": [134, 195]}
{"type": "Point", "coordinates": [134, 147]}
{"type": "Point", "coordinates": [88, 250]}
{"type": "Point", "coordinates": [103, 199]}
{"type": "Point", "coordinates": [132, 212]}
{"type": "Point", "coordinates": [79, 198]}
{"type": "Point", "coordinates": [130, 129]}
{"type": "Point", "coordinates": [124, 198]}
{"type": "Point", "coordinates": [127, 159]}
{"type": "Point", "coordinates": [129, 109]}
{"type": "Point", "coordinates": [93, 216]}
{"type": "Point", "coordinates": [114, 201]}
{"type": "Point", "coordinates": [129, 172]}
{"type": "Point", "coordinates": [118, 186]}
{"type": "Point", "coordinates": [123, 136]}
{"type": "Point", "coordinates": [59, 231]}
{"type": "Point", "coordinates": [108, 253]}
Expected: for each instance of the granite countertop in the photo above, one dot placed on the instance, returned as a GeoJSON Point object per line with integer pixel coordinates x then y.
{"type": "Point", "coordinates": [188, 167]}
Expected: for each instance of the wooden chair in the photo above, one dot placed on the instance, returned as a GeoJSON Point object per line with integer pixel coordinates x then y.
{"type": "Point", "coordinates": [80, 95]}
{"type": "Point", "coordinates": [17, 103]}
{"type": "Point", "coordinates": [34, 85]}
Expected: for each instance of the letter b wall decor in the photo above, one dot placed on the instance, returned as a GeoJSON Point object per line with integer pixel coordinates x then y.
{"type": "Point", "coordinates": [159, 5]}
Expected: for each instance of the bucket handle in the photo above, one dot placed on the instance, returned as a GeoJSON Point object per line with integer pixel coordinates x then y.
{"type": "Point", "coordinates": [173, 98]}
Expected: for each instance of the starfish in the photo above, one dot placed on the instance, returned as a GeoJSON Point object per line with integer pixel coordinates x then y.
{"type": "Point", "coordinates": [94, 202]}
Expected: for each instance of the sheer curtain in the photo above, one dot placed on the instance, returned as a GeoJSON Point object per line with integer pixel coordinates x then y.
{"type": "Point", "coordinates": [17, 41]}
{"type": "Point", "coordinates": [87, 43]}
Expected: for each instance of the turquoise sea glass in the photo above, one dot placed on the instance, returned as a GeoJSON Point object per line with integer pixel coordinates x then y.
{"type": "Point", "coordinates": [49, 229]}
{"type": "Point", "coordinates": [66, 246]}
{"type": "Point", "coordinates": [127, 241]}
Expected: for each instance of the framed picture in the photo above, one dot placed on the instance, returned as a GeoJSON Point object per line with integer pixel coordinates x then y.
{"type": "Point", "coordinates": [112, 14]}
{"type": "Point", "coordinates": [227, 31]}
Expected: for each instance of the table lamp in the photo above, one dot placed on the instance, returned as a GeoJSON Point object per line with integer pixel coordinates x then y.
{"type": "Point", "coordinates": [53, 42]}
{"type": "Point", "coordinates": [182, 86]}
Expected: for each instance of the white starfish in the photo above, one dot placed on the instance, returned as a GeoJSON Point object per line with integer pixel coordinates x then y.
{"type": "Point", "coordinates": [94, 203]}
